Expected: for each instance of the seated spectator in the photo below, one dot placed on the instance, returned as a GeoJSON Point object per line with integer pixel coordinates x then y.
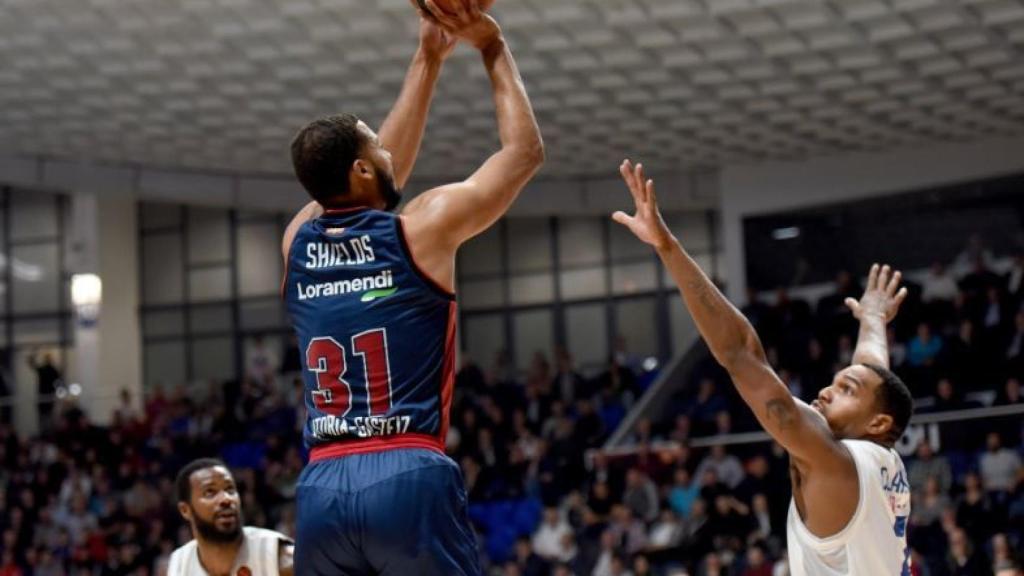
{"type": "Point", "coordinates": [897, 350]}
{"type": "Point", "coordinates": [527, 561]}
{"type": "Point", "coordinates": [681, 430]}
{"type": "Point", "coordinates": [975, 265]}
{"type": "Point", "coordinates": [567, 384]}
{"type": "Point", "coordinates": [929, 503]}
{"type": "Point", "coordinates": [642, 433]}
{"type": "Point", "coordinates": [705, 406]}
{"type": "Point", "coordinates": [629, 533]}
{"type": "Point", "coordinates": [641, 495]}
{"type": "Point", "coordinates": [923, 348]}
{"type": "Point", "coordinates": [962, 559]}
{"type": "Point", "coordinates": [756, 480]}
{"type": "Point", "coordinates": [999, 467]}
{"type": "Point", "coordinates": [641, 566]}
{"type": "Point", "coordinates": [666, 533]}
{"type": "Point", "coordinates": [817, 370]}
{"type": "Point", "coordinates": [609, 545]}
{"type": "Point", "coordinates": [929, 465]}
{"type": "Point", "coordinates": [590, 431]}
{"type": "Point", "coordinates": [756, 562]}
{"type": "Point", "coordinates": [1003, 553]}
{"type": "Point", "coordinates": [994, 318]}
{"type": "Point", "coordinates": [948, 397]}
{"type": "Point", "coordinates": [730, 520]}
{"type": "Point", "coordinates": [1010, 394]}
{"type": "Point", "coordinates": [727, 468]}
{"type": "Point", "coordinates": [684, 493]}
{"type": "Point", "coordinates": [766, 528]}
{"type": "Point", "coordinates": [553, 539]}
{"type": "Point", "coordinates": [964, 358]}
{"type": "Point", "coordinates": [833, 316]}
{"type": "Point", "coordinates": [844, 354]}
{"type": "Point", "coordinates": [974, 509]}
{"type": "Point", "coordinates": [938, 285]}
{"type": "Point", "coordinates": [712, 566]}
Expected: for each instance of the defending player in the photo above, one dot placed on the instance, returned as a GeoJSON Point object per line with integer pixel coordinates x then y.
{"type": "Point", "coordinates": [209, 501]}
{"type": "Point", "coordinates": [851, 499]}
{"type": "Point", "coordinates": [370, 294]}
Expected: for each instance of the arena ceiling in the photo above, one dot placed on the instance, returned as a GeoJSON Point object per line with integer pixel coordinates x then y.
{"type": "Point", "coordinates": [223, 84]}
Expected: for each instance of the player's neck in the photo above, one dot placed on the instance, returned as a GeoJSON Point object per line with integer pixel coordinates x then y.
{"type": "Point", "coordinates": [218, 558]}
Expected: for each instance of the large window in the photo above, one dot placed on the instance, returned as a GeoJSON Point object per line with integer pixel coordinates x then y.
{"type": "Point", "coordinates": [35, 317]}
{"type": "Point", "coordinates": [533, 284]}
{"type": "Point", "coordinates": [211, 280]}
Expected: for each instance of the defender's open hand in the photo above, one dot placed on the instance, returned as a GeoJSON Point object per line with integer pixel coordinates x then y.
{"type": "Point", "coordinates": [647, 224]}
{"type": "Point", "coordinates": [882, 297]}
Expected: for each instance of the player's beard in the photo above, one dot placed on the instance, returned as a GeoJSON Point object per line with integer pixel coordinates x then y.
{"type": "Point", "coordinates": [391, 194]}
{"type": "Point", "coordinates": [209, 531]}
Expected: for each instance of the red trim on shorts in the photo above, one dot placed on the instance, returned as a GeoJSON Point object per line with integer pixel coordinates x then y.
{"type": "Point", "coordinates": [376, 444]}
{"type": "Point", "coordinates": [448, 372]}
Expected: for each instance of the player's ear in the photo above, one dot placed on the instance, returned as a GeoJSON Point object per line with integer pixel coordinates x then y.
{"type": "Point", "coordinates": [363, 169]}
{"type": "Point", "coordinates": [185, 510]}
{"type": "Point", "coordinates": [880, 425]}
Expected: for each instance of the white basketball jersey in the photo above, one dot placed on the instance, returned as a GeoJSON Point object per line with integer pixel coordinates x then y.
{"type": "Point", "coordinates": [258, 556]}
{"type": "Point", "coordinates": [874, 543]}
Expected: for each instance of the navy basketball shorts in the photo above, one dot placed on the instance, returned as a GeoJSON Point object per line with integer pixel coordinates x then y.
{"type": "Point", "coordinates": [391, 513]}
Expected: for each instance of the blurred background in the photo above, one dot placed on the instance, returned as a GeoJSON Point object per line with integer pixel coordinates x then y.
{"type": "Point", "coordinates": [145, 186]}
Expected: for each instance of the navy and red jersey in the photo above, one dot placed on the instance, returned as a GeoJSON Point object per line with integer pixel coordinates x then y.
{"type": "Point", "coordinates": [377, 336]}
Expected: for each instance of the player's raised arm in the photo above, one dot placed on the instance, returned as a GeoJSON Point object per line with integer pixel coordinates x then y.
{"type": "Point", "coordinates": [876, 308]}
{"type": "Point", "coordinates": [732, 340]}
{"type": "Point", "coordinates": [452, 214]}
{"type": "Point", "coordinates": [402, 131]}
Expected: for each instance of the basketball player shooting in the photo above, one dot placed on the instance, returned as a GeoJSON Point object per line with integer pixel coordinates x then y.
{"type": "Point", "coordinates": [851, 498]}
{"type": "Point", "coordinates": [371, 296]}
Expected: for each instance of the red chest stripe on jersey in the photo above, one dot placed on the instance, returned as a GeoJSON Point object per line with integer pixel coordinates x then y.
{"type": "Point", "coordinates": [376, 444]}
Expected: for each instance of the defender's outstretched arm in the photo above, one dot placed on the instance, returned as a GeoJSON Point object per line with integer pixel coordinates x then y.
{"type": "Point", "coordinates": [732, 340]}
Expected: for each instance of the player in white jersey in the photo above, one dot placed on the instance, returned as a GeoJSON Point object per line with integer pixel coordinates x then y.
{"type": "Point", "coordinates": [851, 498]}
{"type": "Point", "coordinates": [208, 499]}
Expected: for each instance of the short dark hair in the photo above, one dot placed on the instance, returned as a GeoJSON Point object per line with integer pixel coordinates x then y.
{"type": "Point", "coordinates": [893, 398]}
{"type": "Point", "coordinates": [322, 154]}
{"type": "Point", "coordinates": [183, 482]}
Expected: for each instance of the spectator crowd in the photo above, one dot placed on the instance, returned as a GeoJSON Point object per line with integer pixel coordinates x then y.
{"type": "Point", "coordinates": [80, 499]}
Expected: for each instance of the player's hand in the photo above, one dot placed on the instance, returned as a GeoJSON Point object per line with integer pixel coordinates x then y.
{"type": "Point", "coordinates": [436, 42]}
{"type": "Point", "coordinates": [468, 22]}
{"type": "Point", "coordinates": [882, 297]}
{"type": "Point", "coordinates": [647, 224]}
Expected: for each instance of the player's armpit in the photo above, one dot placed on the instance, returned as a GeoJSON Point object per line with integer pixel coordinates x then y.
{"type": "Point", "coordinates": [286, 559]}
{"type": "Point", "coordinates": [307, 213]}
{"type": "Point", "coordinates": [800, 429]}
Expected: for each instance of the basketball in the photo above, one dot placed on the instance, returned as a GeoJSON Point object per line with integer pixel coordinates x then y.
{"type": "Point", "coordinates": [448, 5]}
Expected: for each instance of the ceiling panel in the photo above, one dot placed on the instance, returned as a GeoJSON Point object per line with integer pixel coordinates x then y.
{"type": "Point", "coordinates": [223, 84]}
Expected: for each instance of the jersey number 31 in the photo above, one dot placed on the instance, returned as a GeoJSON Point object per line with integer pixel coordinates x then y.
{"type": "Point", "coordinates": [326, 358]}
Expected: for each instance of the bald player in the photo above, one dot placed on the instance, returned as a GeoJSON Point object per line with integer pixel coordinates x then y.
{"type": "Point", "coordinates": [851, 499]}
{"type": "Point", "coordinates": [208, 500]}
{"type": "Point", "coordinates": [371, 296]}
